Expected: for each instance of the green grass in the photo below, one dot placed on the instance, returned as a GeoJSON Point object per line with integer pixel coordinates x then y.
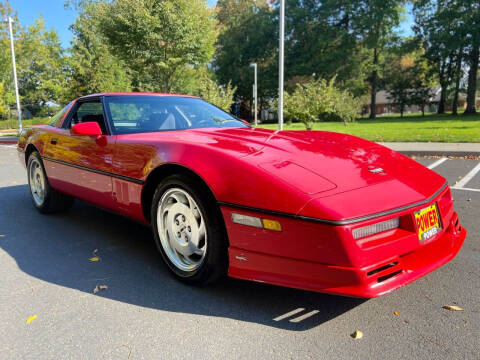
{"type": "Point", "coordinates": [12, 124]}
{"type": "Point", "coordinates": [412, 127]}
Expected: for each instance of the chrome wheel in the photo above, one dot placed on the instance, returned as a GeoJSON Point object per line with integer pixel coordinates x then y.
{"type": "Point", "coordinates": [181, 229]}
{"type": "Point", "coordinates": [37, 182]}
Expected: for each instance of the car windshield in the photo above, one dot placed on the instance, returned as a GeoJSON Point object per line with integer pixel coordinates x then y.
{"type": "Point", "coordinates": [144, 113]}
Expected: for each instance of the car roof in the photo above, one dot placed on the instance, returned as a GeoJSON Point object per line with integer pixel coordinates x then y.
{"type": "Point", "coordinates": [134, 94]}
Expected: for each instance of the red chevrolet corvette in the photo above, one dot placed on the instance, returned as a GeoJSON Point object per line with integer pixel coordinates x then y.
{"type": "Point", "coordinates": [313, 210]}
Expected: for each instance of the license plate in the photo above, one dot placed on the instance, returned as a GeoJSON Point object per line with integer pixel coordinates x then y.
{"type": "Point", "coordinates": [428, 222]}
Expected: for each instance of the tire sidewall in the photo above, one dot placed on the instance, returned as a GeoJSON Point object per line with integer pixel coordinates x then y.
{"type": "Point", "coordinates": [216, 256]}
{"type": "Point", "coordinates": [44, 206]}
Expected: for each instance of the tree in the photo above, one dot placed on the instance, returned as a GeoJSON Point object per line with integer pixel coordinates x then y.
{"type": "Point", "coordinates": [157, 39]}
{"type": "Point", "coordinates": [321, 39]}
{"type": "Point", "coordinates": [319, 100]}
{"type": "Point", "coordinates": [434, 28]}
{"type": "Point", "coordinates": [221, 96]}
{"type": "Point", "coordinates": [7, 95]}
{"type": "Point", "coordinates": [41, 67]}
{"type": "Point", "coordinates": [401, 77]}
{"type": "Point", "coordinates": [247, 33]}
{"type": "Point", "coordinates": [451, 31]}
{"type": "Point", "coordinates": [374, 21]}
{"type": "Point", "coordinates": [93, 67]}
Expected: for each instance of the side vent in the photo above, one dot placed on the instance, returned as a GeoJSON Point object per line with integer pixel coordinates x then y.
{"type": "Point", "coordinates": [385, 267]}
{"type": "Point", "coordinates": [386, 277]}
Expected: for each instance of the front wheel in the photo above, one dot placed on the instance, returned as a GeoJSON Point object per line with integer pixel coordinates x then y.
{"type": "Point", "coordinates": [189, 231]}
{"type": "Point", "coordinates": [45, 199]}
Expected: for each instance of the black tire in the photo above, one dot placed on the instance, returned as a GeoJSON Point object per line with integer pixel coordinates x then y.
{"type": "Point", "coordinates": [214, 265]}
{"type": "Point", "coordinates": [53, 201]}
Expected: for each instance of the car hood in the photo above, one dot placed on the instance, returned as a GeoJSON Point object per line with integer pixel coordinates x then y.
{"type": "Point", "coordinates": [329, 166]}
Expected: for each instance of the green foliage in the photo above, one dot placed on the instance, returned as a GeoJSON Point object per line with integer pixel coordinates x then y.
{"type": "Point", "coordinates": [247, 34]}
{"type": "Point", "coordinates": [450, 32]}
{"type": "Point", "coordinates": [321, 40]}
{"type": "Point", "coordinates": [221, 96]}
{"type": "Point", "coordinates": [7, 95]}
{"type": "Point", "coordinates": [40, 64]}
{"type": "Point", "coordinates": [157, 39]}
{"type": "Point", "coordinates": [93, 67]}
{"type": "Point", "coordinates": [319, 100]}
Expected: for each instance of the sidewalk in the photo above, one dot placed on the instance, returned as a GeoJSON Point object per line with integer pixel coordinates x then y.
{"type": "Point", "coordinates": [434, 148]}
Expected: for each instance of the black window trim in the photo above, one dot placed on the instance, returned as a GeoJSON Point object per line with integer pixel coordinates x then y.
{"type": "Point", "coordinates": [109, 121]}
{"type": "Point", "coordinates": [68, 119]}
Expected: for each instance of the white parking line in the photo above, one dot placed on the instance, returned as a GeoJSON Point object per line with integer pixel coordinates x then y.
{"type": "Point", "coordinates": [291, 313]}
{"type": "Point", "coordinates": [304, 316]}
{"type": "Point", "coordinates": [436, 163]}
{"type": "Point", "coordinates": [467, 177]}
{"type": "Point", "coordinates": [466, 189]}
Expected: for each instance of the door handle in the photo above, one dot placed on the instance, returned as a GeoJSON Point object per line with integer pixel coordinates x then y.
{"type": "Point", "coordinates": [53, 141]}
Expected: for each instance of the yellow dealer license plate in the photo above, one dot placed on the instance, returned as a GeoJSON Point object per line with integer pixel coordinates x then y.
{"type": "Point", "coordinates": [428, 222]}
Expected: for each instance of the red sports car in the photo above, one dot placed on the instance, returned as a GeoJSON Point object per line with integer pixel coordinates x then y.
{"type": "Point", "coordinates": [313, 210]}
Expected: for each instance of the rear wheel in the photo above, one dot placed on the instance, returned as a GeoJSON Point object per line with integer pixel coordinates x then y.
{"type": "Point", "coordinates": [189, 231]}
{"type": "Point", "coordinates": [45, 199]}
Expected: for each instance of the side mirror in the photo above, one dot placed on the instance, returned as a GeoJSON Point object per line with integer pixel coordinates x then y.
{"type": "Point", "coordinates": [90, 128]}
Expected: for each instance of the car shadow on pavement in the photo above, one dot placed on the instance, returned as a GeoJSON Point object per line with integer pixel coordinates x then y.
{"type": "Point", "coordinates": [56, 248]}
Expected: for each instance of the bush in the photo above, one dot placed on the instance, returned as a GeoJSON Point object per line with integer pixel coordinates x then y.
{"type": "Point", "coordinates": [221, 96]}
{"type": "Point", "coordinates": [319, 100]}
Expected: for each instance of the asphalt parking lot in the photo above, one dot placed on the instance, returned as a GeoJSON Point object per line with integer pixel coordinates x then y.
{"type": "Point", "coordinates": [146, 314]}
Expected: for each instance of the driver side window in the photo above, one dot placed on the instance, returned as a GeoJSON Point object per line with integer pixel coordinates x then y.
{"type": "Point", "coordinates": [89, 111]}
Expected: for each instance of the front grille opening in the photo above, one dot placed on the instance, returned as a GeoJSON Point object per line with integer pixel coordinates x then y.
{"type": "Point", "coordinates": [386, 277]}
{"type": "Point", "coordinates": [385, 267]}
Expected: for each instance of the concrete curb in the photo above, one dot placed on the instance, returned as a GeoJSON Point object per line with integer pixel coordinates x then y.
{"type": "Point", "coordinates": [439, 153]}
{"type": "Point", "coordinates": [435, 149]}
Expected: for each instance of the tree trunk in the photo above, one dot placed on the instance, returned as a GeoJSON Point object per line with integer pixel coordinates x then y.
{"type": "Point", "coordinates": [472, 82]}
{"type": "Point", "coordinates": [458, 74]}
{"type": "Point", "coordinates": [373, 85]}
{"type": "Point", "coordinates": [441, 103]}
{"type": "Point", "coordinates": [423, 110]}
{"type": "Point", "coordinates": [441, 78]}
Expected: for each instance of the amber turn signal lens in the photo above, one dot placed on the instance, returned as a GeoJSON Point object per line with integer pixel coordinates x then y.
{"type": "Point", "coordinates": [271, 225]}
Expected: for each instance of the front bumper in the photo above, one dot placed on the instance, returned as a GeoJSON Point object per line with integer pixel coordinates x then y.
{"type": "Point", "coordinates": [323, 258]}
{"type": "Point", "coordinates": [358, 282]}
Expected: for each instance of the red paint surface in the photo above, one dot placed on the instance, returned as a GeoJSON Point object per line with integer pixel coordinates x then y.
{"type": "Point", "coordinates": [309, 173]}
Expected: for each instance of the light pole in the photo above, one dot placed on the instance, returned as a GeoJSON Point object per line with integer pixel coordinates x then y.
{"type": "Point", "coordinates": [280, 65]}
{"type": "Point", "coordinates": [255, 90]}
{"type": "Point", "coordinates": [19, 112]}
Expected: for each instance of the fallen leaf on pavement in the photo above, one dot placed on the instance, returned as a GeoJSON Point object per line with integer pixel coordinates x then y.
{"type": "Point", "coordinates": [95, 258]}
{"type": "Point", "coordinates": [357, 334]}
{"type": "Point", "coordinates": [30, 319]}
{"type": "Point", "coordinates": [452, 307]}
{"type": "Point", "coordinates": [99, 287]}
{"type": "Point", "coordinates": [395, 313]}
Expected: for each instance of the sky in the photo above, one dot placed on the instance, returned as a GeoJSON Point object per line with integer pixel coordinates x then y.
{"type": "Point", "coordinates": [59, 18]}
